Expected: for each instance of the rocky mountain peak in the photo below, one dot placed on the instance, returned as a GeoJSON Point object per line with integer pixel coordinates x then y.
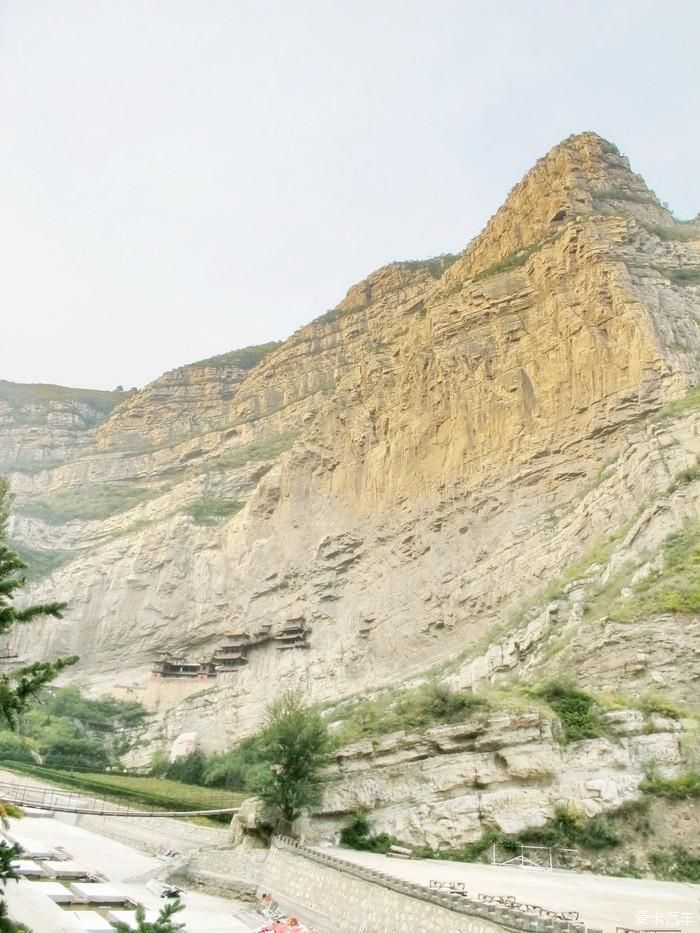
{"type": "Point", "coordinates": [395, 478]}
{"type": "Point", "coordinates": [584, 174]}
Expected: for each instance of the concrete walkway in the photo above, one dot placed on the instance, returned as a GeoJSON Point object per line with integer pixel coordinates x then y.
{"type": "Point", "coordinates": [603, 902]}
{"type": "Point", "coordinates": [124, 867]}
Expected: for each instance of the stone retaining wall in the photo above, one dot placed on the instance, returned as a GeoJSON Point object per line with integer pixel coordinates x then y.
{"type": "Point", "coordinates": [151, 835]}
{"type": "Point", "coordinates": [206, 855]}
{"type": "Point", "coordinates": [354, 899]}
{"type": "Point", "coordinates": [235, 870]}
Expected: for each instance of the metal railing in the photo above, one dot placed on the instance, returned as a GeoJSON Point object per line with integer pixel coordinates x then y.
{"type": "Point", "coordinates": [531, 856]}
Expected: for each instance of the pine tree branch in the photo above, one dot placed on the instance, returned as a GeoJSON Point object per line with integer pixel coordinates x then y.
{"type": "Point", "coordinates": [18, 688]}
{"type": "Point", "coordinates": [43, 609]}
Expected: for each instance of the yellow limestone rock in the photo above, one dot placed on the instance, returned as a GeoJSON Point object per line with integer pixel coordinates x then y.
{"type": "Point", "coordinates": [394, 478]}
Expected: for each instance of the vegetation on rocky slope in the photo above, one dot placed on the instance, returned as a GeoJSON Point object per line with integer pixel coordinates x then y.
{"type": "Point", "coordinates": [28, 395]}
{"type": "Point", "coordinates": [85, 503]}
{"type": "Point", "coordinates": [577, 710]}
{"type": "Point", "coordinates": [435, 265]}
{"type": "Point", "coordinates": [669, 583]}
{"type": "Point", "coordinates": [568, 829]}
{"type": "Point", "coordinates": [409, 709]}
{"type": "Point", "coordinates": [211, 511]}
{"type": "Point", "coordinates": [624, 842]}
{"type": "Point", "coordinates": [243, 358]}
{"type": "Point", "coordinates": [68, 730]}
{"type": "Point", "coordinates": [41, 562]}
{"type": "Point", "coordinates": [682, 787]}
{"type": "Point", "coordinates": [265, 448]}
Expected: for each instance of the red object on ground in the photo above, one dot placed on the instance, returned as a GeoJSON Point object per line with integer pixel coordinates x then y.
{"type": "Point", "coordinates": [281, 926]}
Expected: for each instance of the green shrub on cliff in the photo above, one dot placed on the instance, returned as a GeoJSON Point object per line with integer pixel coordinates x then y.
{"type": "Point", "coordinates": [430, 704]}
{"type": "Point", "coordinates": [358, 835]}
{"type": "Point", "coordinates": [244, 358]}
{"type": "Point", "coordinates": [211, 511]}
{"type": "Point", "coordinates": [566, 830]}
{"type": "Point", "coordinates": [570, 829]}
{"type": "Point", "coordinates": [75, 732]}
{"type": "Point", "coordinates": [683, 787]}
{"type": "Point", "coordinates": [82, 754]}
{"type": "Point", "coordinates": [577, 710]}
{"type": "Point", "coordinates": [188, 769]}
{"type": "Point", "coordinates": [85, 503]}
{"type": "Point", "coordinates": [676, 864]}
{"type": "Point", "coordinates": [674, 587]}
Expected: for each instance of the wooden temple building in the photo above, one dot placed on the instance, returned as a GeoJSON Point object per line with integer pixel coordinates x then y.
{"type": "Point", "coordinates": [182, 668]}
{"type": "Point", "coordinates": [232, 653]}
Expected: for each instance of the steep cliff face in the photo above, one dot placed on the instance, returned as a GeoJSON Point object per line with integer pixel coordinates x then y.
{"type": "Point", "coordinates": [42, 425]}
{"type": "Point", "coordinates": [183, 402]}
{"type": "Point", "coordinates": [396, 477]}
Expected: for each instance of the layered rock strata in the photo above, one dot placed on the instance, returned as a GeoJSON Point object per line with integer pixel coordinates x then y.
{"type": "Point", "coordinates": [398, 475]}
{"type": "Point", "coordinates": [449, 785]}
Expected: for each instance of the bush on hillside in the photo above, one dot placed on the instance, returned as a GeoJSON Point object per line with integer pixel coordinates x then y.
{"type": "Point", "coordinates": [576, 709]}
{"type": "Point", "coordinates": [683, 787]}
{"type": "Point", "coordinates": [188, 769]}
{"type": "Point", "coordinates": [70, 730]}
{"type": "Point", "coordinates": [570, 829]}
{"type": "Point", "coordinates": [14, 748]}
{"type": "Point", "coordinates": [676, 864]}
{"type": "Point", "coordinates": [416, 708]}
{"type": "Point", "coordinates": [81, 754]}
{"type": "Point", "coordinates": [241, 768]}
{"type": "Point", "coordinates": [358, 835]}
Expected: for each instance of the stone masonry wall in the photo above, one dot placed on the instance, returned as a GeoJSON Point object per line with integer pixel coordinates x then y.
{"type": "Point", "coordinates": [353, 899]}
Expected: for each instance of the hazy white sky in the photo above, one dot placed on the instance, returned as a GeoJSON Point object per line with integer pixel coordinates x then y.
{"type": "Point", "coordinates": [182, 177]}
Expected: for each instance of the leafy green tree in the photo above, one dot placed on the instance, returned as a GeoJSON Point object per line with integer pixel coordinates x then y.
{"type": "Point", "coordinates": [159, 763]}
{"type": "Point", "coordinates": [240, 768]}
{"type": "Point", "coordinates": [81, 754]}
{"type": "Point", "coordinates": [294, 745]}
{"type": "Point", "coordinates": [188, 769]}
{"type": "Point", "coordinates": [20, 686]}
{"type": "Point", "coordinates": [14, 748]}
{"type": "Point", "coordinates": [73, 731]}
{"type": "Point", "coordinates": [163, 924]}
{"type": "Point", "coordinates": [99, 715]}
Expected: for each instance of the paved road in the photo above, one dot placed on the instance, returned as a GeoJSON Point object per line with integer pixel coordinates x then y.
{"type": "Point", "coordinates": [603, 902]}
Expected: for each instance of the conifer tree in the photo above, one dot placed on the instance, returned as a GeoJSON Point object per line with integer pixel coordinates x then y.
{"type": "Point", "coordinates": [19, 687]}
{"type": "Point", "coordinates": [164, 923]}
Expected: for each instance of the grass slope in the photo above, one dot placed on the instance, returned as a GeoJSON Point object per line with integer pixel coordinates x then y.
{"type": "Point", "coordinates": [132, 790]}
